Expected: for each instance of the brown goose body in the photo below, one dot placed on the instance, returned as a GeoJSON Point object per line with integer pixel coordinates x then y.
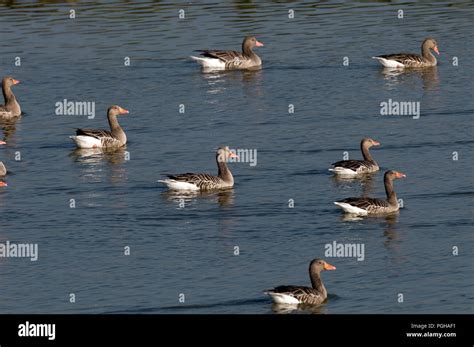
{"type": "Point", "coordinates": [402, 60]}
{"type": "Point", "coordinates": [364, 206]}
{"type": "Point", "coordinates": [358, 167]}
{"type": "Point", "coordinates": [231, 60]}
{"type": "Point", "coordinates": [203, 181]}
{"type": "Point", "coordinates": [97, 138]}
{"type": "Point", "coordinates": [11, 108]}
{"type": "Point", "coordinates": [294, 295]}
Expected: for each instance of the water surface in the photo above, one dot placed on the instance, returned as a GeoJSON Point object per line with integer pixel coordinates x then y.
{"type": "Point", "coordinates": [190, 250]}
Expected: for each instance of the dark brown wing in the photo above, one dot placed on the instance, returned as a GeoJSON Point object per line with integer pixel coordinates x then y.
{"type": "Point", "coordinates": [97, 133]}
{"type": "Point", "coordinates": [4, 110]}
{"type": "Point", "coordinates": [225, 56]}
{"type": "Point", "coordinates": [406, 59]}
{"type": "Point", "coordinates": [367, 203]}
{"type": "Point", "coordinates": [289, 289]}
{"type": "Point", "coordinates": [201, 180]}
{"type": "Point", "coordinates": [354, 165]}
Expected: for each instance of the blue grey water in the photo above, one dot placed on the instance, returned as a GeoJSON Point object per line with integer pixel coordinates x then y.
{"type": "Point", "coordinates": [190, 250]}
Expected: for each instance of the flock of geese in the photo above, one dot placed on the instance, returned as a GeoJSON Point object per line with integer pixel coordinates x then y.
{"type": "Point", "coordinates": [355, 206]}
{"type": "Point", "coordinates": [248, 59]}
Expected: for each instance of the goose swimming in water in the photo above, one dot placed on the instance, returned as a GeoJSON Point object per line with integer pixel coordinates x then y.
{"type": "Point", "coordinates": [11, 108]}
{"type": "Point", "coordinates": [314, 295]}
{"type": "Point", "coordinates": [403, 60]}
{"type": "Point", "coordinates": [370, 206]}
{"type": "Point", "coordinates": [358, 167]}
{"type": "Point", "coordinates": [95, 138]}
{"type": "Point", "coordinates": [204, 181]}
{"type": "Point", "coordinates": [231, 60]}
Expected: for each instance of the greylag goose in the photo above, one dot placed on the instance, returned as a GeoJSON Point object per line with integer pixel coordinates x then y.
{"type": "Point", "coordinates": [204, 181]}
{"type": "Point", "coordinates": [95, 138]}
{"type": "Point", "coordinates": [294, 295]}
{"type": "Point", "coordinates": [3, 169]}
{"type": "Point", "coordinates": [221, 60]}
{"type": "Point", "coordinates": [11, 108]}
{"type": "Point", "coordinates": [369, 206]}
{"type": "Point", "coordinates": [402, 60]}
{"type": "Point", "coordinates": [357, 167]}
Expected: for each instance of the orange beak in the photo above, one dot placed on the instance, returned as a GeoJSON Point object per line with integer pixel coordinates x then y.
{"type": "Point", "coordinates": [123, 111]}
{"type": "Point", "coordinates": [233, 155]}
{"type": "Point", "coordinates": [435, 48]}
{"type": "Point", "coordinates": [16, 81]}
{"type": "Point", "coordinates": [401, 175]}
{"type": "Point", "coordinates": [376, 143]}
{"type": "Point", "coordinates": [3, 143]}
{"type": "Point", "coordinates": [3, 184]}
{"type": "Point", "coordinates": [259, 44]}
{"type": "Point", "coordinates": [329, 267]}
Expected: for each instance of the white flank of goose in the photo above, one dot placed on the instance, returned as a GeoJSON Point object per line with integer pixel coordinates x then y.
{"type": "Point", "coordinates": [3, 169]}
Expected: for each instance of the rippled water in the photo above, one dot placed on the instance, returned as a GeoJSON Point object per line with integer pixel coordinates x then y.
{"type": "Point", "coordinates": [190, 250]}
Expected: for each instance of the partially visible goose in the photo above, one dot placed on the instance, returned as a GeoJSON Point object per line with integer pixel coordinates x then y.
{"type": "Point", "coordinates": [402, 60]}
{"type": "Point", "coordinates": [95, 138]}
{"type": "Point", "coordinates": [204, 181]}
{"type": "Point", "coordinates": [221, 60]}
{"type": "Point", "coordinates": [357, 167]}
{"type": "Point", "coordinates": [369, 206]}
{"type": "Point", "coordinates": [294, 295]}
{"type": "Point", "coordinates": [3, 169]}
{"type": "Point", "coordinates": [11, 108]}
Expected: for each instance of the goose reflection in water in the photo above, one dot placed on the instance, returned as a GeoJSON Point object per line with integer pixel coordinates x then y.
{"type": "Point", "coordinates": [366, 181]}
{"type": "Point", "coordinates": [8, 127]}
{"type": "Point", "coordinates": [393, 243]}
{"type": "Point", "coordinates": [429, 76]}
{"type": "Point", "coordinates": [250, 77]}
{"type": "Point", "coordinates": [299, 308]}
{"type": "Point", "coordinates": [225, 198]}
{"type": "Point", "coordinates": [390, 230]}
{"type": "Point", "coordinates": [347, 217]}
{"type": "Point", "coordinates": [94, 159]}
